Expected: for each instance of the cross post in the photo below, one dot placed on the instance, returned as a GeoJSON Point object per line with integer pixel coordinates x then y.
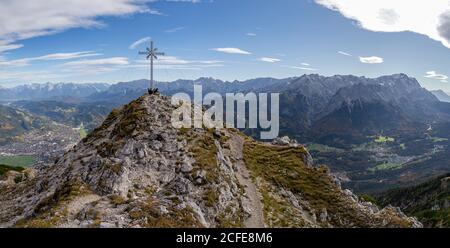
{"type": "Point", "coordinates": [152, 54]}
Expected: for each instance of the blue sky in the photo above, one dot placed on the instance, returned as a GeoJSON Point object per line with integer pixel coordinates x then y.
{"type": "Point", "coordinates": [84, 41]}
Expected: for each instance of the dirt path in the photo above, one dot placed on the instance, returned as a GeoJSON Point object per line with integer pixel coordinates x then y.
{"type": "Point", "coordinates": [252, 201]}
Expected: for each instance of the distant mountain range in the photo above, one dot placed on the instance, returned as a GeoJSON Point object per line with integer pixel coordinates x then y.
{"type": "Point", "coordinates": [441, 95]}
{"type": "Point", "coordinates": [127, 91]}
{"type": "Point", "coordinates": [59, 91]}
{"type": "Point", "coordinates": [326, 107]}
{"type": "Point", "coordinates": [313, 107]}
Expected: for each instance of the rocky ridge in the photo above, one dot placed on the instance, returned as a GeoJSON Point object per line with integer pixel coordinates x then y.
{"type": "Point", "coordinates": [136, 170]}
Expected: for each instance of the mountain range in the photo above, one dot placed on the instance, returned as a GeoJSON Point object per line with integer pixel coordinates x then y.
{"type": "Point", "coordinates": [441, 95]}
{"type": "Point", "coordinates": [375, 134]}
{"type": "Point", "coordinates": [48, 91]}
{"type": "Point", "coordinates": [136, 170]}
{"type": "Point", "coordinates": [311, 105]}
{"type": "Point", "coordinates": [354, 107]}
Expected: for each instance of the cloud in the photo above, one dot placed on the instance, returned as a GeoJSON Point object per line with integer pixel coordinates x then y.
{"type": "Point", "coordinates": [13, 63]}
{"type": "Point", "coordinates": [24, 19]}
{"type": "Point", "coordinates": [53, 56]}
{"type": "Point", "coordinates": [269, 60]}
{"type": "Point", "coordinates": [190, 1]}
{"type": "Point", "coordinates": [231, 50]}
{"type": "Point", "coordinates": [4, 48]}
{"type": "Point", "coordinates": [304, 68]}
{"type": "Point", "coordinates": [175, 63]}
{"type": "Point", "coordinates": [434, 75]}
{"type": "Point", "coordinates": [345, 54]}
{"type": "Point", "coordinates": [99, 62]}
{"type": "Point", "coordinates": [430, 18]}
{"type": "Point", "coordinates": [305, 64]}
{"type": "Point", "coordinates": [371, 60]}
{"type": "Point", "coordinates": [139, 42]}
{"type": "Point", "coordinates": [96, 66]}
{"type": "Point", "coordinates": [65, 56]}
{"type": "Point", "coordinates": [444, 26]}
{"type": "Point", "coordinates": [251, 34]}
{"type": "Point", "coordinates": [174, 30]}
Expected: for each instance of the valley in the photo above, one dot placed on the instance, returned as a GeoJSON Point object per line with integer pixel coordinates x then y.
{"type": "Point", "coordinates": [39, 146]}
{"type": "Point", "coordinates": [376, 166]}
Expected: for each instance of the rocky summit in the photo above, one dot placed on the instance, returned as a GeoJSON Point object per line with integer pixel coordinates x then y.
{"type": "Point", "coordinates": [136, 170]}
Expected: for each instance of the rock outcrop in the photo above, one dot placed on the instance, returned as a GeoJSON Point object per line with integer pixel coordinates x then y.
{"type": "Point", "coordinates": [136, 170]}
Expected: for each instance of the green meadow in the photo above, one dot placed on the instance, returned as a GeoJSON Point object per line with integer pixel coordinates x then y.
{"type": "Point", "coordinates": [18, 160]}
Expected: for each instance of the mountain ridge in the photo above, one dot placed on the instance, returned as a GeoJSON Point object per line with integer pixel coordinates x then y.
{"type": "Point", "coordinates": [135, 170]}
{"type": "Point", "coordinates": [50, 90]}
{"type": "Point", "coordinates": [441, 95]}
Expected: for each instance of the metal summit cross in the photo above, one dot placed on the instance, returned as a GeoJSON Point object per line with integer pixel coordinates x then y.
{"type": "Point", "coordinates": [152, 53]}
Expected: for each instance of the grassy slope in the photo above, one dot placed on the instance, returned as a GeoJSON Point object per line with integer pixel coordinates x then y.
{"type": "Point", "coordinates": [283, 167]}
{"type": "Point", "coordinates": [428, 201]}
{"type": "Point", "coordinates": [17, 161]}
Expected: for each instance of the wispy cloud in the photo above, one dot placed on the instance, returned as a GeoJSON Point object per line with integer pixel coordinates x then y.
{"type": "Point", "coordinates": [175, 63]}
{"type": "Point", "coordinates": [4, 48]}
{"type": "Point", "coordinates": [13, 63]}
{"type": "Point", "coordinates": [99, 62]}
{"type": "Point", "coordinates": [53, 56]}
{"type": "Point", "coordinates": [174, 30]}
{"type": "Point", "coordinates": [345, 53]}
{"type": "Point", "coordinates": [231, 50]}
{"type": "Point", "coordinates": [304, 68]}
{"type": "Point", "coordinates": [190, 1]}
{"type": "Point", "coordinates": [139, 42]}
{"type": "Point", "coordinates": [269, 60]}
{"type": "Point", "coordinates": [305, 64]}
{"type": "Point", "coordinates": [66, 56]}
{"type": "Point", "coordinates": [251, 34]}
{"type": "Point", "coordinates": [371, 60]}
{"type": "Point", "coordinates": [434, 75]}
{"type": "Point", "coordinates": [96, 66]}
